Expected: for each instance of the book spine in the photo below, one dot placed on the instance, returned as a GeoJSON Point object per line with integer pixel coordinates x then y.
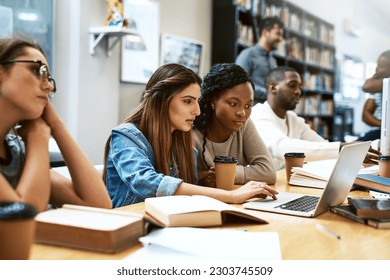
{"type": "Point", "coordinates": [347, 214]}
{"type": "Point", "coordinates": [378, 224]}
{"type": "Point", "coordinates": [372, 185]}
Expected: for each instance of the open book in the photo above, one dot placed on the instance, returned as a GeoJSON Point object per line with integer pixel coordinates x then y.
{"type": "Point", "coordinates": [193, 211]}
{"type": "Point", "coordinates": [89, 228]}
{"type": "Point", "coordinates": [315, 174]}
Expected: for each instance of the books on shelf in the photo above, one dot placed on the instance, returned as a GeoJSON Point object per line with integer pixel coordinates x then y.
{"type": "Point", "coordinates": [245, 34]}
{"type": "Point", "coordinates": [373, 182]}
{"type": "Point", "coordinates": [314, 81]}
{"type": "Point", "coordinates": [315, 174]}
{"type": "Point", "coordinates": [326, 34]}
{"type": "Point", "coordinates": [194, 211]}
{"type": "Point", "coordinates": [89, 228]}
{"type": "Point", "coordinates": [348, 212]}
{"type": "Point", "coordinates": [310, 28]}
{"type": "Point", "coordinates": [370, 208]}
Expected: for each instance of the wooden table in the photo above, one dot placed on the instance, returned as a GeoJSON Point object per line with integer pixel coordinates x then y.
{"type": "Point", "coordinates": [299, 237]}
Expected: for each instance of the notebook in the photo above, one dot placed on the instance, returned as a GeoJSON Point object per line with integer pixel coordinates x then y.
{"type": "Point", "coordinates": [335, 192]}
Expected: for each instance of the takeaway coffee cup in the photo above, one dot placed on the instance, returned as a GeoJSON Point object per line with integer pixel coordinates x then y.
{"type": "Point", "coordinates": [293, 160]}
{"type": "Point", "coordinates": [17, 230]}
{"type": "Point", "coordinates": [225, 172]}
{"type": "Point", "coordinates": [384, 166]}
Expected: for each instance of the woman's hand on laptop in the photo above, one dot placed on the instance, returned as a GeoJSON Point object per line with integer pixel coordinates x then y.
{"type": "Point", "coordinates": [253, 189]}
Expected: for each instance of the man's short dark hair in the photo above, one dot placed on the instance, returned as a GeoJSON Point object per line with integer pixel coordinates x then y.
{"type": "Point", "coordinates": [277, 75]}
{"type": "Point", "coordinates": [269, 22]}
{"type": "Point", "coordinates": [386, 54]}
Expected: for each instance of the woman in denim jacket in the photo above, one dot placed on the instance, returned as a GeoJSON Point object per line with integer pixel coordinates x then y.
{"type": "Point", "coordinates": [151, 153]}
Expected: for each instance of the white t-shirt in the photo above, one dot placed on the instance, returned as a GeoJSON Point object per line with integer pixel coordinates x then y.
{"type": "Point", "coordinates": [290, 134]}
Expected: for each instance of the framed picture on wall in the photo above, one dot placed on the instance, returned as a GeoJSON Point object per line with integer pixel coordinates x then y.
{"type": "Point", "coordinates": [140, 51]}
{"type": "Point", "coordinates": [187, 52]}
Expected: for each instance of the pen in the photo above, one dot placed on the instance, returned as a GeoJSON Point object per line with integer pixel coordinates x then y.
{"type": "Point", "coordinates": [331, 232]}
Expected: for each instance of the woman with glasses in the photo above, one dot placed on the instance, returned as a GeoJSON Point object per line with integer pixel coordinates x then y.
{"type": "Point", "coordinates": [26, 111]}
{"type": "Point", "coordinates": [151, 153]}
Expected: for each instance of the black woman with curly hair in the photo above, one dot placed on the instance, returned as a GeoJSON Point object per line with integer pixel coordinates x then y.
{"type": "Point", "coordinates": [225, 129]}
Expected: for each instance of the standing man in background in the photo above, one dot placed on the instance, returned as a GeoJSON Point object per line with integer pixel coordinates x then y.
{"type": "Point", "coordinates": [258, 60]}
{"type": "Point", "coordinates": [372, 110]}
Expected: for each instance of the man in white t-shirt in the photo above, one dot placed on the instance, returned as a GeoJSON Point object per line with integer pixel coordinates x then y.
{"type": "Point", "coordinates": [281, 128]}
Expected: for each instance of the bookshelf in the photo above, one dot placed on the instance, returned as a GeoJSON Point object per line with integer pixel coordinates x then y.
{"type": "Point", "coordinates": [308, 47]}
{"type": "Point", "coordinates": [343, 122]}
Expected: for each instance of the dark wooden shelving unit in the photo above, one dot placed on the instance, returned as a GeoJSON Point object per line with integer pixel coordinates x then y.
{"type": "Point", "coordinates": [308, 47]}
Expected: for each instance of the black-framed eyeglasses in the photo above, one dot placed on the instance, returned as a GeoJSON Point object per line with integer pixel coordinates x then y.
{"type": "Point", "coordinates": [43, 72]}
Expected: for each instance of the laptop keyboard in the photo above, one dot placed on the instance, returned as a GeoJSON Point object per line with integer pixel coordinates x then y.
{"type": "Point", "coordinates": [303, 204]}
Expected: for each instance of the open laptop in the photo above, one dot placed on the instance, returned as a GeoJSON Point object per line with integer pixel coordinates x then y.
{"type": "Point", "coordinates": [336, 191]}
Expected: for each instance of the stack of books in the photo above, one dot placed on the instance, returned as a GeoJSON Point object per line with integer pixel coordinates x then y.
{"type": "Point", "coordinates": [370, 211]}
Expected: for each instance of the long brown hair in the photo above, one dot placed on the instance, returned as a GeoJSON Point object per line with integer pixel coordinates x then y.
{"type": "Point", "coordinates": [151, 118]}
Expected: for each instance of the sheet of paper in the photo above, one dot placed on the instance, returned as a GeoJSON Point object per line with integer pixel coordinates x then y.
{"type": "Point", "coordinates": [379, 195]}
{"type": "Point", "coordinates": [197, 243]}
{"type": "Point", "coordinates": [373, 169]}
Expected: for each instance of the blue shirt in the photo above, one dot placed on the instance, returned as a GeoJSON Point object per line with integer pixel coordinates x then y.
{"type": "Point", "coordinates": [258, 63]}
{"type": "Point", "coordinates": [131, 173]}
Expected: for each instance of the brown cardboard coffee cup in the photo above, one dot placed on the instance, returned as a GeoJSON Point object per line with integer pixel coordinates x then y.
{"type": "Point", "coordinates": [17, 230]}
{"type": "Point", "coordinates": [225, 172]}
{"type": "Point", "coordinates": [293, 160]}
{"type": "Point", "coordinates": [384, 166]}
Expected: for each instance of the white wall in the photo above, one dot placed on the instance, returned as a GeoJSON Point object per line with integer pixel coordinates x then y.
{"type": "Point", "coordinates": [189, 19]}
{"type": "Point", "coordinates": [374, 40]}
{"type": "Point", "coordinates": [90, 97]}
{"type": "Point", "coordinates": [88, 94]}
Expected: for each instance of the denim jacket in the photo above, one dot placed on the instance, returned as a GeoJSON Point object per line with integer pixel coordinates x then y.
{"type": "Point", "coordinates": [131, 174]}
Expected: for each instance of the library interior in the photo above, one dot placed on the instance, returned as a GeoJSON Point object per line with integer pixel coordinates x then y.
{"type": "Point", "coordinates": [102, 55]}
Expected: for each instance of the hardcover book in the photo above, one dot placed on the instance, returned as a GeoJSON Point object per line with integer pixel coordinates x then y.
{"type": "Point", "coordinates": [348, 212]}
{"type": "Point", "coordinates": [373, 182]}
{"type": "Point", "coordinates": [370, 207]}
{"type": "Point", "coordinates": [379, 223]}
{"type": "Point", "coordinates": [194, 211]}
{"type": "Point", "coordinates": [89, 228]}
